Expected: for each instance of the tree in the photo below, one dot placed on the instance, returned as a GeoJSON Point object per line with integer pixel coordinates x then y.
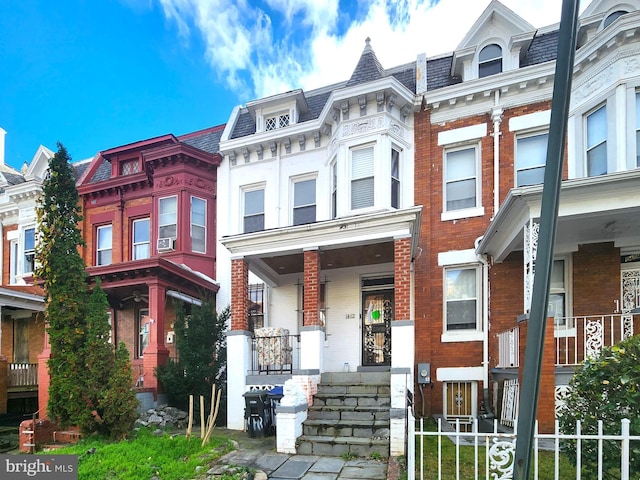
{"type": "Point", "coordinates": [90, 382]}
{"type": "Point", "coordinates": [62, 271]}
{"type": "Point", "coordinates": [606, 388]}
{"type": "Point", "coordinates": [202, 353]}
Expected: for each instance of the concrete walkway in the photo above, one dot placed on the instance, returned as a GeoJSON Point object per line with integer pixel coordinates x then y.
{"type": "Point", "coordinates": [260, 454]}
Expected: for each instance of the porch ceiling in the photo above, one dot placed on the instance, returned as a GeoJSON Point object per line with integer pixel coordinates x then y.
{"type": "Point", "coordinates": [591, 210]}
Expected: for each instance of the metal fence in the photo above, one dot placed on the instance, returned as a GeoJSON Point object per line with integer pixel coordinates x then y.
{"type": "Point", "coordinates": [446, 452]}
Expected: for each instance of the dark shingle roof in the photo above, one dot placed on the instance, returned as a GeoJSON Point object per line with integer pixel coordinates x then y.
{"type": "Point", "coordinates": [439, 73]}
{"type": "Point", "coordinates": [79, 169]}
{"type": "Point", "coordinates": [13, 178]}
{"type": "Point", "coordinates": [245, 125]}
{"type": "Point", "coordinates": [543, 48]}
{"type": "Point", "coordinates": [208, 141]}
{"type": "Point", "coordinates": [102, 173]}
{"type": "Point", "coordinates": [368, 68]}
{"type": "Point", "coordinates": [315, 104]}
{"type": "Point", "coordinates": [406, 75]}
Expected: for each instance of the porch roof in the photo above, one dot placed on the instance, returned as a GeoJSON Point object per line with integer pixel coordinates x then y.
{"type": "Point", "coordinates": [21, 300]}
{"type": "Point", "coordinates": [592, 210]}
{"type": "Point", "coordinates": [343, 242]}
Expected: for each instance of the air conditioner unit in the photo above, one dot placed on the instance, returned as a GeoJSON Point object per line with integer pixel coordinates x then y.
{"type": "Point", "coordinates": [166, 244]}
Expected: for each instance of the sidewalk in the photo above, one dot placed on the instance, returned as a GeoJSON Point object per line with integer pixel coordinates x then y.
{"type": "Point", "coordinates": [260, 454]}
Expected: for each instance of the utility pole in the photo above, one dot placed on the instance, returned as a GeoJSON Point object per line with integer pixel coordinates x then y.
{"type": "Point", "coordinates": [530, 388]}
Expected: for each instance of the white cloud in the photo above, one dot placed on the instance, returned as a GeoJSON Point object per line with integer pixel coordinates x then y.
{"type": "Point", "coordinates": [256, 57]}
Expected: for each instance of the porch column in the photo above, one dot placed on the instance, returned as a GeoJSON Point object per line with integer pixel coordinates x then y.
{"type": "Point", "coordinates": [156, 353]}
{"type": "Point", "coordinates": [238, 344]}
{"type": "Point", "coordinates": [312, 333]}
{"type": "Point", "coordinates": [43, 375]}
{"type": "Point", "coordinates": [402, 345]}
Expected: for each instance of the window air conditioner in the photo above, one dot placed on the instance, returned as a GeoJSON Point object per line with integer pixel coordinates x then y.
{"type": "Point", "coordinates": [165, 244]}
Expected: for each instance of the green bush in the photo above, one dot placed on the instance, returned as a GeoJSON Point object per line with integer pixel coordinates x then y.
{"type": "Point", "coordinates": [607, 388]}
{"type": "Point", "coordinates": [202, 355]}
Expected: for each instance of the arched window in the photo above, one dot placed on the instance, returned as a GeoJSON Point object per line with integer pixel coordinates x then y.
{"type": "Point", "coordinates": [490, 60]}
{"type": "Point", "coordinates": [612, 17]}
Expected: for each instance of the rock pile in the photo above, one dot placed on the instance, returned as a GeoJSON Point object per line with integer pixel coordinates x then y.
{"type": "Point", "coordinates": [163, 416]}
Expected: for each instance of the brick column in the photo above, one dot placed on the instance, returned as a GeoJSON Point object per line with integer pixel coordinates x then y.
{"type": "Point", "coordinates": [239, 294]}
{"type": "Point", "coordinates": [402, 278]}
{"type": "Point", "coordinates": [156, 353]}
{"type": "Point", "coordinates": [546, 413]}
{"type": "Point", "coordinates": [4, 382]}
{"type": "Point", "coordinates": [311, 288]}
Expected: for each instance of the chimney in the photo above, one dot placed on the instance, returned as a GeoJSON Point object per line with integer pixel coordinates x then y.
{"type": "Point", "coordinates": [2, 134]}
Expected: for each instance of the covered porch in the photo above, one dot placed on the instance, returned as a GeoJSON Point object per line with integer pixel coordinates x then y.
{"type": "Point", "coordinates": [338, 298]}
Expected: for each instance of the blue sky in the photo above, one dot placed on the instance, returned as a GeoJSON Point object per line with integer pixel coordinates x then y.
{"type": "Point", "coordinates": [96, 74]}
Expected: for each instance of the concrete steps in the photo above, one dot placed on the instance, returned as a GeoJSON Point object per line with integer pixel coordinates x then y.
{"type": "Point", "coordinates": [349, 416]}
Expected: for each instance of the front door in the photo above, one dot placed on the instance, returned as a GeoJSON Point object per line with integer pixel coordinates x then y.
{"type": "Point", "coordinates": [377, 314]}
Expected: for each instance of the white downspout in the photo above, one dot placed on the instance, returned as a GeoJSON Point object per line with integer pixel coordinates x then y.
{"type": "Point", "coordinates": [485, 329]}
{"type": "Point", "coordinates": [496, 117]}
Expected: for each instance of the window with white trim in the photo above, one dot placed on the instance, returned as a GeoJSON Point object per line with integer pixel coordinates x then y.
{"type": "Point", "coordinates": [304, 201]}
{"type": "Point", "coordinates": [461, 178]}
{"type": "Point", "coordinates": [490, 60]}
{"type": "Point", "coordinates": [596, 145]}
{"type": "Point", "coordinates": [276, 121]}
{"type": "Point", "coordinates": [198, 224]}
{"type": "Point", "coordinates": [557, 293]}
{"type": "Point", "coordinates": [461, 305]}
{"type": "Point", "coordinates": [141, 239]}
{"type": "Point", "coordinates": [612, 17]}
{"type": "Point", "coordinates": [253, 210]}
{"type": "Point", "coordinates": [13, 264]}
{"type": "Point", "coordinates": [531, 157]}
{"type": "Point", "coordinates": [29, 249]}
{"type": "Point", "coordinates": [362, 177]}
{"type": "Point", "coordinates": [395, 177]}
{"type": "Point", "coordinates": [142, 327]}
{"type": "Point", "coordinates": [168, 217]}
{"type": "Point", "coordinates": [104, 245]}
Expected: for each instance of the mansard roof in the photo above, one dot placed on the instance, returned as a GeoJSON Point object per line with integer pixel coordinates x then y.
{"type": "Point", "coordinates": [367, 70]}
{"type": "Point", "coordinates": [207, 140]}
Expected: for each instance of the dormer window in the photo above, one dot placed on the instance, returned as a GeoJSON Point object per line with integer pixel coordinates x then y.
{"type": "Point", "coordinates": [612, 17]}
{"type": "Point", "coordinates": [276, 121]}
{"type": "Point", "coordinates": [129, 167]}
{"type": "Point", "coordinates": [490, 60]}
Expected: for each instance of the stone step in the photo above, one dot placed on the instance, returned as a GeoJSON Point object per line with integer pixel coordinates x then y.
{"type": "Point", "coordinates": [354, 389]}
{"type": "Point", "coordinates": [356, 378]}
{"type": "Point", "coordinates": [351, 399]}
{"type": "Point", "coordinates": [348, 413]}
{"type": "Point", "coordinates": [337, 446]}
{"type": "Point", "coordinates": [347, 428]}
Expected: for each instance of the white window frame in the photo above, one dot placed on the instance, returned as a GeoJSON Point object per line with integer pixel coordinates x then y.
{"type": "Point", "coordinates": [588, 148]}
{"type": "Point", "coordinates": [491, 60]}
{"type": "Point", "coordinates": [294, 207]}
{"type": "Point", "coordinates": [366, 176]}
{"type": "Point", "coordinates": [474, 210]}
{"type": "Point", "coordinates": [517, 169]}
{"type": "Point", "coordinates": [563, 329]}
{"type": "Point", "coordinates": [467, 334]}
{"type": "Point", "coordinates": [167, 219]}
{"type": "Point", "coordinates": [14, 267]}
{"type": "Point", "coordinates": [135, 244]}
{"type": "Point", "coordinates": [395, 179]}
{"type": "Point", "coordinates": [104, 248]}
{"type": "Point", "coordinates": [244, 217]}
{"type": "Point", "coordinates": [28, 251]}
{"type": "Point", "coordinates": [334, 188]}
{"type": "Point", "coordinates": [196, 226]}
{"type": "Point", "coordinates": [277, 121]}
{"type": "Point", "coordinates": [142, 328]}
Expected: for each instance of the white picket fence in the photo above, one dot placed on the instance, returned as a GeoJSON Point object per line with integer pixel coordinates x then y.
{"type": "Point", "coordinates": [498, 450]}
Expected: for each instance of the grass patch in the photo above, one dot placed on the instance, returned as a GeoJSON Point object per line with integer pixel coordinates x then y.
{"type": "Point", "coordinates": [145, 455]}
{"type": "Point", "coordinates": [467, 459]}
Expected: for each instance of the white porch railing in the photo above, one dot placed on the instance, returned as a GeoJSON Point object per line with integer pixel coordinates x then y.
{"type": "Point", "coordinates": [480, 455]}
{"type": "Point", "coordinates": [578, 338]}
{"type": "Point", "coordinates": [509, 348]}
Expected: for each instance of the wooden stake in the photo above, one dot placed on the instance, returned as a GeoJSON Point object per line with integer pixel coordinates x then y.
{"type": "Point", "coordinates": [202, 427]}
{"type": "Point", "coordinates": [188, 435]}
